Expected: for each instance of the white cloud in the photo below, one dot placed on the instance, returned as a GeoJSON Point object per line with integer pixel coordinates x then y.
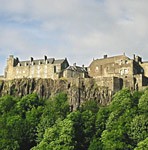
{"type": "Point", "coordinates": [76, 29]}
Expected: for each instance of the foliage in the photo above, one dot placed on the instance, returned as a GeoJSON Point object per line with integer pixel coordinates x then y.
{"type": "Point", "coordinates": [143, 102]}
{"type": "Point", "coordinates": [143, 145]}
{"type": "Point", "coordinates": [18, 121]}
{"type": "Point", "coordinates": [139, 128]}
{"type": "Point", "coordinates": [31, 123]}
{"type": "Point", "coordinates": [55, 108]}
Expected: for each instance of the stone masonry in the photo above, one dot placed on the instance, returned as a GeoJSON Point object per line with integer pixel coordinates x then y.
{"type": "Point", "coordinates": [112, 72]}
{"type": "Point", "coordinates": [120, 71]}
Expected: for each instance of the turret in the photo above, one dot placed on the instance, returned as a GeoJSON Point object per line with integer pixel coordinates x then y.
{"type": "Point", "coordinates": [9, 67]}
{"type": "Point", "coordinates": [10, 61]}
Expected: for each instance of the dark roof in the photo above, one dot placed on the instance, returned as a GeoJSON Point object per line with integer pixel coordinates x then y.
{"type": "Point", "coordinates": [59, 61]}
{"type": "Point", "coordinates": [112, 57]}
{"type": "Point", "coordinates": [76, 68]}
{"type": "Point", "coordinates": [42, 61]}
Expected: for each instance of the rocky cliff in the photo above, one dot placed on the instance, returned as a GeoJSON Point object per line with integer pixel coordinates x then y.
{"type": "Point", "coordinates": [78, 90]}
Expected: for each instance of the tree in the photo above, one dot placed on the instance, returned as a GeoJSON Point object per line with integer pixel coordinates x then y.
{"type": "Point", "coordinates": [58, 137]}
{"type": "Point", "coordinates": [27, 102]}
{"type": "Point", "coordinates": [6, 103]}
{"type": "Point", "coordinates": [142, 145]}
{"type": "Point", "coordinates": [55, 108]}
{"type": "Point", "coordinates": [18, 121]}
{"type": "Point", "coordinates": [139, 128]}
{"type": "Point", "coordinates": [143, 102]}
{"type": "Point", "coordinates": [122, 109]}
{"type": "Point", "coordinates": [100, 125]}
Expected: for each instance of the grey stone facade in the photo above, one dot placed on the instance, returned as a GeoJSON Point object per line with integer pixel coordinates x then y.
{"type": "Point", "coordinates": [120, 71]}
{"type": "Point", "coordinates": [111, 72]}
{"type": "Point", "coordinates": [42, 68]}
{"type": "Point", "coordinates": [75, 72]}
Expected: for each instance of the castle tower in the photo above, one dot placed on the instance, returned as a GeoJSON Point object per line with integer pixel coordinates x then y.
{"type": "Point", "coordinates": [9, 68]}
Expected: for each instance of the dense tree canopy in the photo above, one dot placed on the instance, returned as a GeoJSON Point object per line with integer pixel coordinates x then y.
{"type": "Point", "coordinates": [32, 123]}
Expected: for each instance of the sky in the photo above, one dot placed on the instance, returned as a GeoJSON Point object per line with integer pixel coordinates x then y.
{"type": "Point", "coordinates": [79, 30]}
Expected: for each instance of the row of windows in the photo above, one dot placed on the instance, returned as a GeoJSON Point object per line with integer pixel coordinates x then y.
{"type": "Point", "coordinates": [38, 71]}
{"type": "Point", "coordinates": [123, 71]}
{"type": "Point", "coordinates": [33, 63]}
{"type": "Point", "coordinates": [123, 62]}
{"type": "Point", "coordinates": [45, 76]}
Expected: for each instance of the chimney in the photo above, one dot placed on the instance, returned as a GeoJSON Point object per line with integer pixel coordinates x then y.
{"type": "Point", "coordinates": [105, 56]}
{"type": "Point", "coordinates": [134, 57]}
{"type": "Point", "coordinates": [74, 64]}
{"type": "Point", "coordinates": [11, 56]}
{"type": "Point", "coordinates": [31, 59]}
{"type": "Point", "coordinates": [45, 57]}
{"type": "Point", "coordinates": [83, 66]}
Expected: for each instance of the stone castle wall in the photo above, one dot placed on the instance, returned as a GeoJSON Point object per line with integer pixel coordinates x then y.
{"type": "Point", "coordinates": [114, 73]}
{"type": "Point", "coordinates": [34, 69]}
{"type": "Point", "coordinates": [120, 71]}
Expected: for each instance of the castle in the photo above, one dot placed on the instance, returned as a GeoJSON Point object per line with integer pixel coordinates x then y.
{"type": "Point", "coordinates": [120, 71]}
{"type": "Point", "coordinates": [42, 68]}
{"type": "Point", "coordinates": [112, 72]}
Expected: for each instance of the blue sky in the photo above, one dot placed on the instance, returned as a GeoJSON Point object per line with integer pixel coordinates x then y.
{"type": "Point", "coordinates": [77, 29]}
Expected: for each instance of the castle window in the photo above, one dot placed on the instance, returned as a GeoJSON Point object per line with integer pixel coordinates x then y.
{"type": "Point", "coordinates": [125, 71]}
{"type": "Point", "coordinates": [26, 64]}
{"type": "Point", "coordinates": [121, 62]}
{"type": "Point", "coordinates": [121, 72]}
{"type": "Point", "coordinates": [126, 62]}
{"type": "Point", "coordinates": [97, 68]}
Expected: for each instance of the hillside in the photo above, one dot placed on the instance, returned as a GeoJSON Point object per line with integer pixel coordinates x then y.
{"type": "Point", "coordinates": [47, 114]}
{"type": "Point", "coordinates": [78, 90]}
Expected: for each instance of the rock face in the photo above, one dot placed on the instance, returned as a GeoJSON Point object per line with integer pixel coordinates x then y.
{"type": "Point", "coordinates": [78, 90]}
